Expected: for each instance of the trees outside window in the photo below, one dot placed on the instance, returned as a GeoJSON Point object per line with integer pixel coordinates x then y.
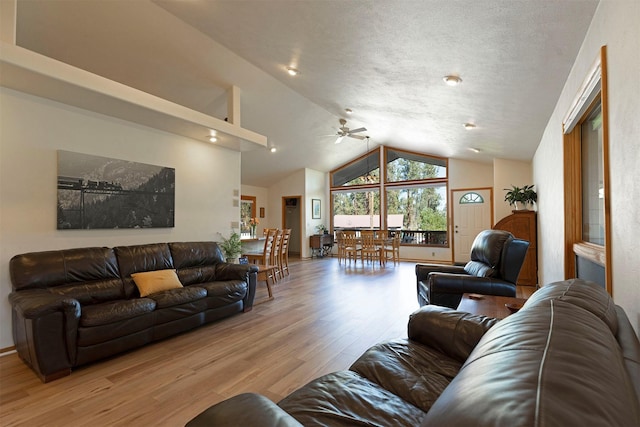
{"type": "Point", "coordinates": [415, 189]}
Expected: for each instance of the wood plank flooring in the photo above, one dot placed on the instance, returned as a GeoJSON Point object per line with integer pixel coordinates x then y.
{"type": "Point", "coordinates": [323, 317]}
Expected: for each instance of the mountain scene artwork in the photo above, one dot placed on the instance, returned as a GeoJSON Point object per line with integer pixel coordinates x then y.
{"type": "Point", "coordinates": [102, 193]}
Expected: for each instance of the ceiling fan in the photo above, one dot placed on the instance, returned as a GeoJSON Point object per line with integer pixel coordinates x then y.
{"type": "Point", "coordinates": [343, 131]}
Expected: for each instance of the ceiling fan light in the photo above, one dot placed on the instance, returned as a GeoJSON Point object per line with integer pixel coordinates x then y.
{"type": "Point", "coordinates": [213, 138]}
{"type": "Point", "coordinates": [292, 71]}
{"type": "Point", "coordinates": [452, 80]}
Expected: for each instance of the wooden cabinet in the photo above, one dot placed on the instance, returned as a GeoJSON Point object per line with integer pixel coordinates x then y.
{"type": "Point", "coordinates": [523, 225]}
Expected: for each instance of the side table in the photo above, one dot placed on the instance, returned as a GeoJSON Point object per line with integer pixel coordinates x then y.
{"type": "Point", "coordinates": [320, 244]}
{"type": "Point", "coordinates": [488, 305]}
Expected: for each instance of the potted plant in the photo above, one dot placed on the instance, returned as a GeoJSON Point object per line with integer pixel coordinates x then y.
{"type": "Point", "coordinates": [519, 197]}
{"type": "Point", "coordinates": [321, 229]}
{"type": "Point", "coordinates": [232, 247]}
{"type": "Point", "coordinates": [529, 195]}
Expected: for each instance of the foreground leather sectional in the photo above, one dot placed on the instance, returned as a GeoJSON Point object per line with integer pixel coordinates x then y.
{"type": "Point", "coordinates": [71, 307]}
{"type": "Point", "coordinates": [569, 357]}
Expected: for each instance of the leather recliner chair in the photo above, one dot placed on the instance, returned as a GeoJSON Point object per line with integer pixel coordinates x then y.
{"type": "Point", "coordinates": [496, 260]}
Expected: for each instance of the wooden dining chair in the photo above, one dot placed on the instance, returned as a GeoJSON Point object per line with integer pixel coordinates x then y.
{"type": "Point", "coordinates": [351, 247]}
{"type": "Point", "coordinates": [276, 255]}
{"type": "Point", "coordinates": [370, 249]}
{"type": "Point", "coordinates": [392, 248]}
{"type": "Point", "coordinates": [284, 252]}
{"type": "Point", "coordinates": [264, 256]}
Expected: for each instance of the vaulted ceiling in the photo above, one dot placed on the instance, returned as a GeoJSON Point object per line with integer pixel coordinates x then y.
{"type": "Point", "coordinates": [383, 59]}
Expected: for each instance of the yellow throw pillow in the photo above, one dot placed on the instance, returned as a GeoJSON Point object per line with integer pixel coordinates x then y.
{"type": "Point", "coordinates": [151, 282]}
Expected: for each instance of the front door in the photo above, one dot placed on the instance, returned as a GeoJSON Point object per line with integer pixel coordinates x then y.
{"type": "Point", "coordinates": [471, 215]}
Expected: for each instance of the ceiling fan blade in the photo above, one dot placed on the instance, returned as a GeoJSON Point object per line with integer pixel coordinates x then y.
{"type": "Point", "coordinates": [358, 130]}
{"type": "Point", "coordinates": [360, 137]}
{"type": "Point", "coordinates": [339, 140]}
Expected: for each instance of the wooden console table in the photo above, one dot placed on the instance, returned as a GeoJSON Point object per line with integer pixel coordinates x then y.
{"type": "Point", "coordinates": [321, 244]}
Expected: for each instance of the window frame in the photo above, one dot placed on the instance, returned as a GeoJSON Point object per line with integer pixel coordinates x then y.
{"type": "Point", "coordinates": [593, 90]}
{"type": "Point", "coordinates": [384, 184]}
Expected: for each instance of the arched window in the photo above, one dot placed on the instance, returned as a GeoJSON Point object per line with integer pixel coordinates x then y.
{"type": "Point", "coordinates": [471, 197]}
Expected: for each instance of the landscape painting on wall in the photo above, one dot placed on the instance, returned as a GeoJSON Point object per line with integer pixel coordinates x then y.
{"type": "Point", "coordinates": [98, 192]}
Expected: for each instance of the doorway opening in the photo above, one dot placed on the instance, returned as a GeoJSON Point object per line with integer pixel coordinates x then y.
{"type": "Point", "coordinates": [291, 218]}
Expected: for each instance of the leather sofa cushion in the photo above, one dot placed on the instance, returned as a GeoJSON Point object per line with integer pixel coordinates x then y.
{"type": "Point", "coordinates": [178, 296]}
{"type": "Point", "coordinates": [117, 331]}
{"type": "Point", "coordinates": [346, 399]}
{"type": "Point", "coordinates": [569, 371]}
{"type": "Point", "coordinates": [416, 373]}
{"type": "Point", "coordinates": [54, 268]}
{"type": "Point", "coordinates": [114, 311]}
{"type": "Point", "coordinates": [195, 254]}
{"type": "Point", "coordinates": [92, 292]}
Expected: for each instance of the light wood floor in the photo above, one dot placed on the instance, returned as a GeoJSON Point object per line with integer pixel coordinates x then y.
{"type": "Point", "coordinates": [322, 318]}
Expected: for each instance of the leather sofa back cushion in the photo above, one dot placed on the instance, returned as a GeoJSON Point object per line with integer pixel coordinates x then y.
{"type": "Point", "coordinates": [92, 292]}
{"type": "Point", "coordinates": [487, 246]}
{"type": "Point", "coordinates": [588, 295]}
{"type": "Point", "coordinates": [195, 254]}
{"type": "Point", "coordinates": [151, 282]}
{"type": "Point", "coordinates": [55, 268]}
{"type": "Point", "coordinates": [553, 349]}
{"type": "Point", "coordinates": [139, 258]}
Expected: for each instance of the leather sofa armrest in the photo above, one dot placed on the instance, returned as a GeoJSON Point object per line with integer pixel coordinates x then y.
{"type": "Point", "coordinates": [45, 330]}
{"type": "Point", "coordinates": [38, 302]}
{"type": "Point", "coordinates": [423, 270]}
{"type": "Point", "coordinates": [245, 272]}
{"type": "Point", "coordinates": [227, 271]}
{"type": "Point", "coordinates": [454, 333]}
{"type": "Point", "coordinates": [248, 409]}
{"type": "Point", "coordinates": [442, 286]}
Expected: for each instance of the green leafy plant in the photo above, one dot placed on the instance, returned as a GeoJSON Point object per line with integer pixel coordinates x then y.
{"type": "Point", "coordinates": [320, 229]}
{"type": "Point", "coordinates": [524, 195]}
{"type": "Point", "coordinates": [232, 246]}
{"type": "Point", "coordinates": [529, 194]}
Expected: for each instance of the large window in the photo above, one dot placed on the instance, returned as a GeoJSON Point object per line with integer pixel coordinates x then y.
{"type": "Point", "coordinates": [415, 189]}
{"type": "Point", "coordinates": [356, 210]}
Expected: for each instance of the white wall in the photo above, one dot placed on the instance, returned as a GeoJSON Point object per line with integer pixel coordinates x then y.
{"type": "Point", "coordinates": [316, 188]}
{"type": "Point", "coordinates": [32, 129]}
{"type": "Point", "coordinates": [505, 174]}
{"type": "Point", "coordinates": [615, 25]}
{"type": "Point", "coordinates": [291, 186]}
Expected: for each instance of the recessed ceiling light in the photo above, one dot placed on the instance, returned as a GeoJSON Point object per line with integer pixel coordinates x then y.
{"type": "Point", "coordinates": [452, 80]}
{"type": "Point", "coordinates": [469, 126]}
{"type": "Point", "coordinates": [348, 111]}
{"type": "Point", "coordinates": [213, 138]}
{"type": "Point", "coordinates": [292, 71]}
{"type": "Point", "coordinates": [475, 150]}
{"type": "Point", "coordinates": [273, 149]}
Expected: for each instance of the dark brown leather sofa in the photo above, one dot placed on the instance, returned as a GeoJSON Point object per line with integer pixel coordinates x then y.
{"type": "Point", "coordinates": [71, 307]}
{"type": "Point", "coordinates": [496, 261]}
{"type": "Point", "coordinates": [569, 357]}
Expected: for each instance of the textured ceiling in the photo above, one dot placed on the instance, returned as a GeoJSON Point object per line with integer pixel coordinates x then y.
{"type": "Point", "coordinates": [384, 59]}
